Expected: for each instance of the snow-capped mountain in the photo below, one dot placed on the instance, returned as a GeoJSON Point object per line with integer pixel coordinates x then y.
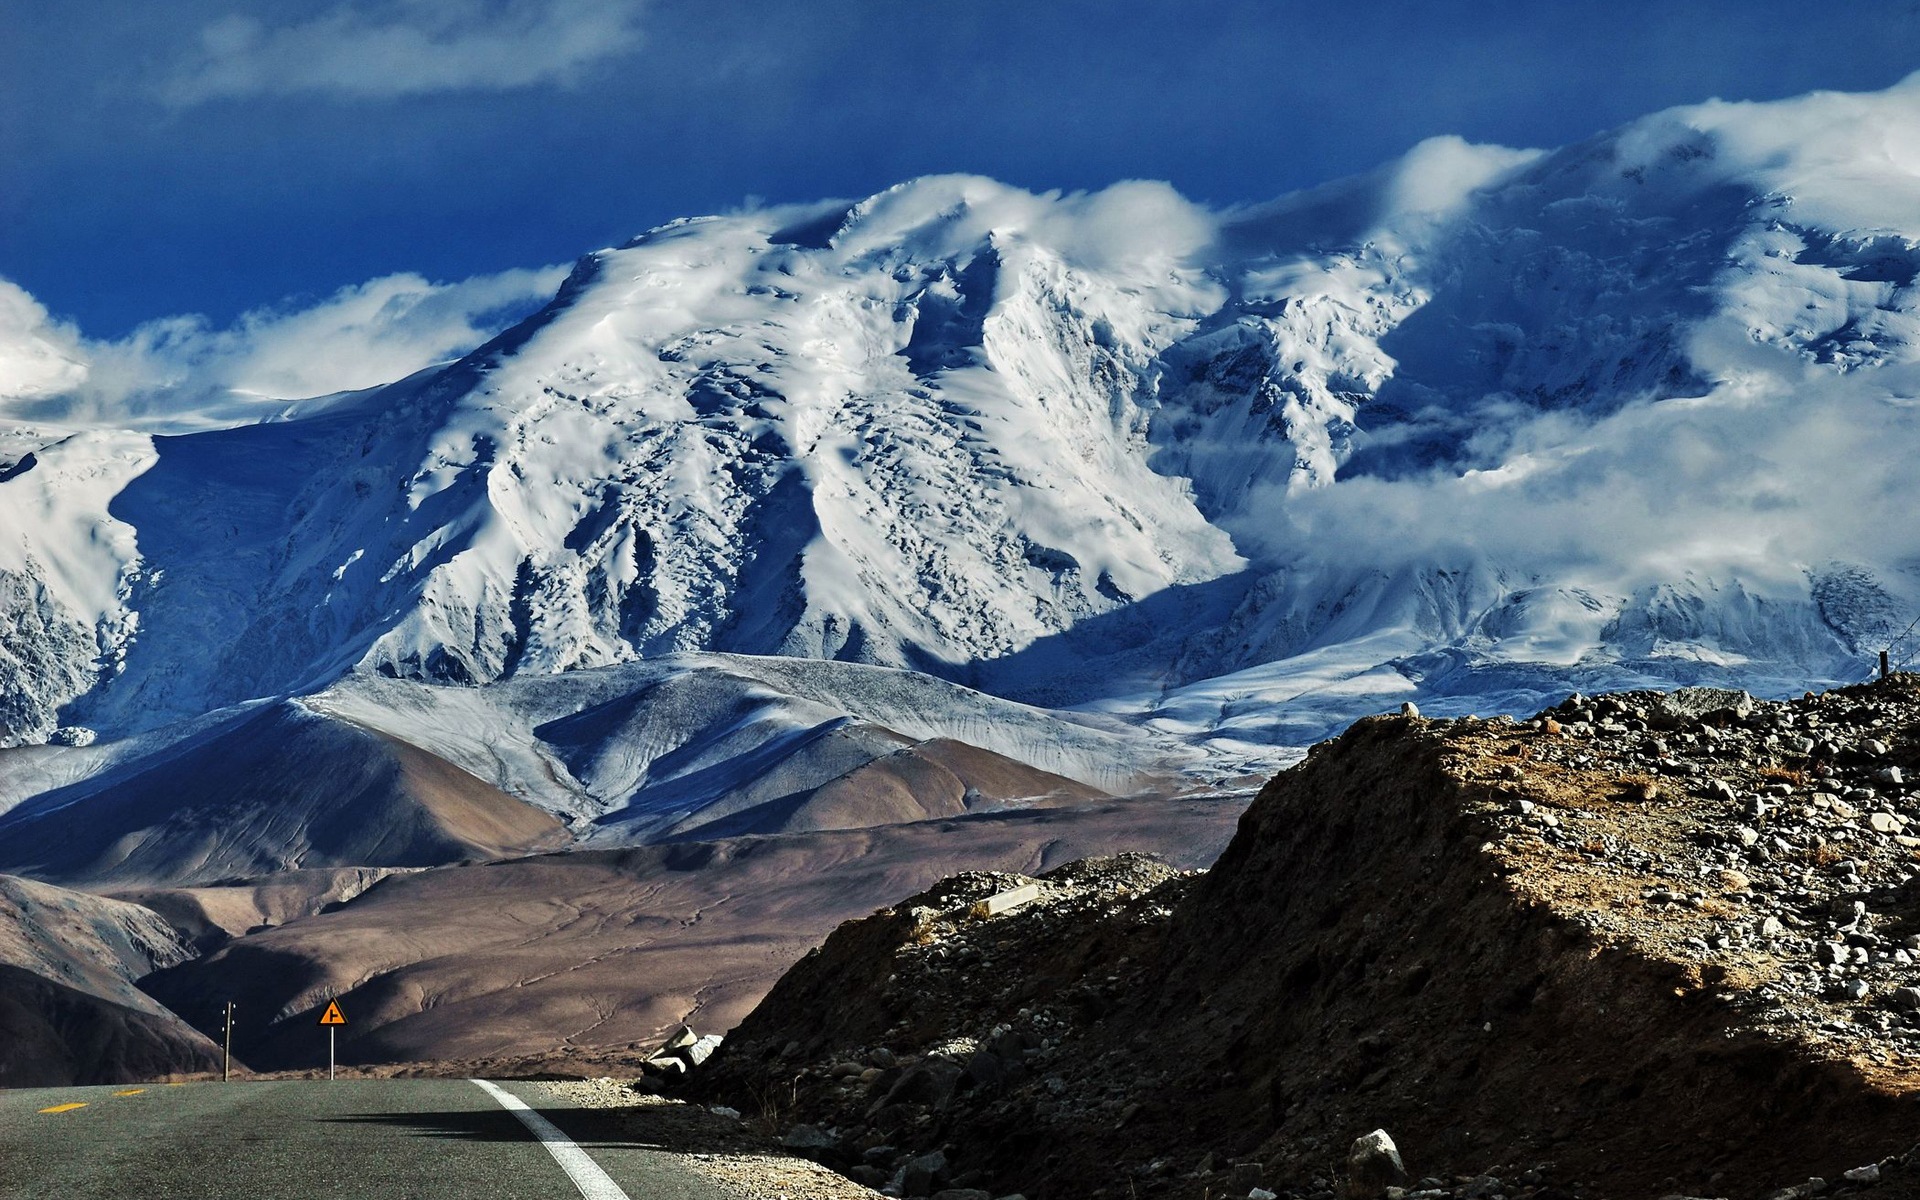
{"type": "Point", "coordinates": [1481, 425]}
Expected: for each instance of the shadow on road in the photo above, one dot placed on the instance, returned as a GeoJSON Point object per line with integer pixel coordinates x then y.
{"type": "Point", "coordinates": [677, 1128]}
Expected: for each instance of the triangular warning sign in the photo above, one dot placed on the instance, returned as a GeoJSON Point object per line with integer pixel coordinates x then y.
{"type": "Point", "coordinates": [333, 1015]}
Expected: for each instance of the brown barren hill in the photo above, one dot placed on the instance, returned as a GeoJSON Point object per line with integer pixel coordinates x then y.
{"type": "Point", "coordinates": [1643, 946]}
{"type": "Point", "coordinates": [278, 789]}
{"type": "Point", "coordinates": [939, 777]}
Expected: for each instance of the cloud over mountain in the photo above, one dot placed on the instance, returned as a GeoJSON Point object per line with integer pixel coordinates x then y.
{"type": "Point", "coordinates": [185, 371]}
{"type": "Point", "coordinates": [404, 48]}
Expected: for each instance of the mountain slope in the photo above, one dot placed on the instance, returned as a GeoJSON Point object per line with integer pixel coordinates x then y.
{"type": "Point", "coordinates": [69, 1010]}
{"type": "Point", "coordinates": [680, 746]}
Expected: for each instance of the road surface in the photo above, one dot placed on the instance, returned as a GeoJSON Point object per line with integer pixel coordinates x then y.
{"type": "Point", "coordinates": [386, 1139]}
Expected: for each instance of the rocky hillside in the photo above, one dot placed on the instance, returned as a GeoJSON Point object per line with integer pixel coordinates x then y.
{"type": "Point", "coordinates": [1636, 946]}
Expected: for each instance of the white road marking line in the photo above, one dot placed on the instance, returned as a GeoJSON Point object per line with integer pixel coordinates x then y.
{"type": "Point", "coordinates": [577, 1163]}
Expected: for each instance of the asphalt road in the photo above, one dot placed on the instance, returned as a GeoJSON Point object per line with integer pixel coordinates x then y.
{"type": "Point", "coordinates": [388, 1139]}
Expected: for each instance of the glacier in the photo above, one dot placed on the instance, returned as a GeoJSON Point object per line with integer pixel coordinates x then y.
{"type": "Point", "coordinates": [1095, 476]}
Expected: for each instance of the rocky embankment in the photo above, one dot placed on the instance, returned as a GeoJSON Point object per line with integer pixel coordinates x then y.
{"type": "Point", "coordinates": [1642, 945]}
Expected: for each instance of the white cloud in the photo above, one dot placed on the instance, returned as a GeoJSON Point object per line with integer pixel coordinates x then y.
{"type": "Point", "coordinates": [38, 355]}
{"type": "Point", "coordinates": [1437, 177]}
{"type": "Point", "coordinates": [1125, 225]}
{"type": "Point", "coordinates": [1758, 481]}
{"type": "Point", "coordinates": [405, 48]}
{"type": "Point", "coordinates": [179, 372]}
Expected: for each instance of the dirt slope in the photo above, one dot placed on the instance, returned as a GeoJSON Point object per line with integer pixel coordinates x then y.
{"type": "Point", "coordinates": [52, 1035]}
{"type": "Point", "coordinates": [1580, 956]}
{"type": "Point", "coordinates": [211, 916]}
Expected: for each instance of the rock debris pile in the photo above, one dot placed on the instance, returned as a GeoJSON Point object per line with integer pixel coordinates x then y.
{"type": "Point", "coordinates": [682, 1052]}
{"type": "Point", "coordinates": [1642, 944]}
{"type": "Point", "coordinates": [1775, 846]}
{"type": "Point", "coordinates": [958, 1008]}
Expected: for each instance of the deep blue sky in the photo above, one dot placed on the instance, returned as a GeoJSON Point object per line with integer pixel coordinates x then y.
{"type": "Point", "coordinates": [147, 170]}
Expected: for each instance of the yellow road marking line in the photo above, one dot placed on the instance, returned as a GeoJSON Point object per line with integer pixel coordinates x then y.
{"type": "Point", "coordinates": [130, 1092]}
{"type": "Point", "coordinates": [65, 1107]}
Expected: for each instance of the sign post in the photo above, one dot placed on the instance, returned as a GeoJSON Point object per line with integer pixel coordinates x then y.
{"type": "Point", "coordinates": [333, 1019]}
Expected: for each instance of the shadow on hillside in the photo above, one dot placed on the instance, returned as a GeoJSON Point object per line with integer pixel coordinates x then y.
{"type": "Point", "coordinates": [1124, 649]}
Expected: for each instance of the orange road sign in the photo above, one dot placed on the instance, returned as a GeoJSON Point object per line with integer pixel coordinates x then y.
{"type": "Point", "coordinates": [333, 1015]}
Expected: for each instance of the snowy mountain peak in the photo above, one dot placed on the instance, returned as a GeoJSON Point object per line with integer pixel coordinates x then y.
{"type": "Point", "coordinates": [1478, 424]}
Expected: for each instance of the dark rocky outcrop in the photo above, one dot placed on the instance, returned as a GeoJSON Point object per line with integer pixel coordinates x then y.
{"type": "Point", "coordinates": [1581, 955]}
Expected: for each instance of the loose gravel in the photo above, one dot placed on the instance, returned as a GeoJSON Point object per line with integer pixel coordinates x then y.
{"type": "Point", "coordinates": [750, 1166]}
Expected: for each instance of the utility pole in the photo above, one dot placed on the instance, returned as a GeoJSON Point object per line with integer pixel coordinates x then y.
{"type": "Point", "coordinates": [1883, 664]}
{"type": "Point", "coordinates": [226, 1048]}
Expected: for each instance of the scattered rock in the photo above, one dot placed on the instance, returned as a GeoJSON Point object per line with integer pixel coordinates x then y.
{"type": "Point", "coordinates": [701, 1050]}
{"type": "Point", "coordinates": [809, 1139]}
{"type": "Point", "coordinates": [920, 1176]}
{"type": "Point", "coordinates": [929, 1082]}
{"type": "Point", "coordinates": [1677, 708]}
{"type": "Point", "coordinates": [1812, 1187]}
{"type": "Point", "coordinates": [681, 1053]}
{"type": "Point", "coordinates": [1373, 1166]}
